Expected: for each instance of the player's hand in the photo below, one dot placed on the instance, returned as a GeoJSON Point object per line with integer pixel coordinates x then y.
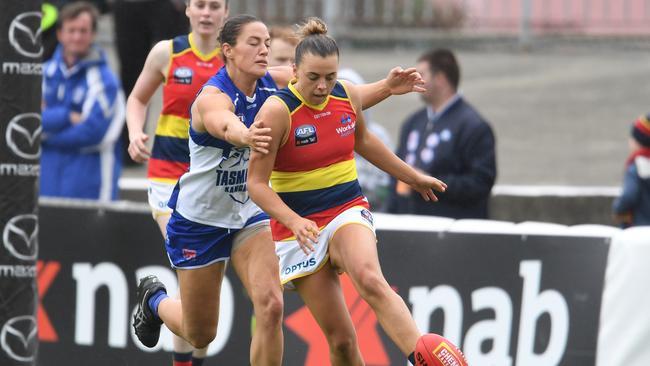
{"type": "Point", "coordinates": [425, 185]}
{"type": "Point", "coordinates": [75, 118]}
{"type": "Point", "coordinates": [401, 81]}
{"type": "Point", "coordinates": [306, 232]}
{"type": "Point", "coordinates": [138, 150]}
{"type": "Point", "coordinates": [258, 137]}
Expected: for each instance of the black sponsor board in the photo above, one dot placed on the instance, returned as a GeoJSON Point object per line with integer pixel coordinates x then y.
{"type": "Point", "coordinates": [95, 254]}
{"type": "Point", "coordinates": [472, 287]}
{"type": "Point", "coordinates": [524, 282]}
{"type": "Point", "coordinates": [20, 126]}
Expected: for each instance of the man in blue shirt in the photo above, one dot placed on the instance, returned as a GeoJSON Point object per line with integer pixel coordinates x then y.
{"type": "Point", "coordinates": [447, 139]}
{"type": "Point", "coordinates": [83, 113]}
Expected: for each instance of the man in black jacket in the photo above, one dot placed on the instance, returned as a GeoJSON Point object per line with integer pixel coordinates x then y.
{"type": "Point", "coordinates": [449, 140]}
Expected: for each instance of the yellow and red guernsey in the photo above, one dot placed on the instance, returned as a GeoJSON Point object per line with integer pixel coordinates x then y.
{"type": "Point", "coordinates": [315, 173]}
{"type": "Point", "coordinates": [188, 70]}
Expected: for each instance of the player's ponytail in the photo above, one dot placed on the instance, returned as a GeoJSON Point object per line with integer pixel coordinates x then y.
{"type": "Point", "coordinates": [314, 40]}
{"type": "Point", "coordinates": [312, 27]}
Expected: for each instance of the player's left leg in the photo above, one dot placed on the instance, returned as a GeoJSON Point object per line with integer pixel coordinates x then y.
{"type": "Point", "coordinates": [354, 250]}
{"type": "Point", "coordinates": [256, 264]}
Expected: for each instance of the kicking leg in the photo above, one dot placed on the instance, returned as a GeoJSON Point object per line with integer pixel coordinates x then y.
{"type": "Point", "coordinates": [354, 249]}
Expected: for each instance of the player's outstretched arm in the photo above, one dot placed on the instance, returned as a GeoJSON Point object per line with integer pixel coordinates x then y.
{"type": "Point", "coordinates": [368, 145]}
{"type": "Point", "coordinates": [274, 114]}
{"type": "Point", "coordinates": [398, 81]}
{"type": "Point", "coordinates": [213, 111]}
{"type": "Point", "coordinates": [151, 77]}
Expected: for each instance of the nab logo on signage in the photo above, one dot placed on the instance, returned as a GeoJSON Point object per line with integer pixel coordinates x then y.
{"type": "Point", "coordinates": [305, 135]}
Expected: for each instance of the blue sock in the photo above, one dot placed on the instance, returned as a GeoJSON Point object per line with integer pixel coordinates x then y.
{"type": "Point", "coordinates": [155, 300]}
{"type": "Point", "coordinates": [197, 361]}
{"type": "Point", "coordinates": [412, 358]}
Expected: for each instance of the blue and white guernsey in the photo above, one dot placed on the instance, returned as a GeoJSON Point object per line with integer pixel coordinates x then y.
{"type": "Point", "coordinates": [213, 192]}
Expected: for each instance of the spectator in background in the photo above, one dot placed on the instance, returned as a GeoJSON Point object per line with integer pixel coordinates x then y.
{"type": "Point", "coordinates": [83, 113]}
{"type": "Point", "coordinates": [50, 10]}
{"type": "Point", "coordinates": [447, 139]}
{"type": "Point", "coordinates": [283, 46]}
{"type": "Point", "coordinates": [374, 182]}
{"type": "Point", "coordinates": [632, 208]}
{"type": "Point", "coordinates": [139, 24]}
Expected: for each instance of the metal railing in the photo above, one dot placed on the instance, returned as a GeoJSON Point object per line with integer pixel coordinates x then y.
{"type": "Point", "coordinates": [504, 16]}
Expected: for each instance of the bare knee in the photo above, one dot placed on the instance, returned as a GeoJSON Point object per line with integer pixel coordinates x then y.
{"type": "Point", "coordinates": [269, 306]}
{"type": "Point", "coordinates": [343, 346]}
{"type": "Point", "coordinates": [372, 286]}
{"type": "Point", "coordinates": [200, 338]}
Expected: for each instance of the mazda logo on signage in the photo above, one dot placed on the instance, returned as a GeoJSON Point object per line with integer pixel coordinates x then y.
{"type": "Point", "coordinates": [23, 132]}
{"type": "Point", "coordinates": [25, 33]}
{"type": "Point", "coordinates": [18, 338]}
{"type": "Point", "coordinates": [20, 237]}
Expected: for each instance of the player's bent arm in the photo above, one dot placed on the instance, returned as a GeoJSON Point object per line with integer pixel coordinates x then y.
{"type": "Point", "coordinates": [371, 148]}
{"type": "Point", "coordinates": [373, 93]}
{"type": "Point", "coordinates": [399, 81]}
{"type": "Point", "coordinates": [213, 112]}
{"type": "Point", "coordinates": [151, 77]}
{"type": "Point", "coordinates": [274, 114]}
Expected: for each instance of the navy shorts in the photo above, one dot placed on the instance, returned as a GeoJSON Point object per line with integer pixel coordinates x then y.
{"type": "Point", "coordinates": [193, 245]}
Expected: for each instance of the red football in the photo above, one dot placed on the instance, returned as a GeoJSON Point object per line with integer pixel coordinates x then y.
{"type": "Point", "coordinates": [435, 350]}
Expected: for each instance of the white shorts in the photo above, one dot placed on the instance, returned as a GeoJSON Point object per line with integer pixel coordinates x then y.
{"type": "Point", "coordinates": [158, 195]}
{"type": "Point", "coordinates": [294, 263]}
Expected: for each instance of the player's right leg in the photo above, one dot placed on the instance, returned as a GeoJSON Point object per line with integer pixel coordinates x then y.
{"type": "Point", "coordinates": [195, 318]}
{"type": "Point", "coordinates": [354, 249]}
{"type": "Point", "coordinates": [198, 252]}
{"type": "Point", "coordinates": [158, 195]}
{"type": "Point", "coordinates": [322, 294]}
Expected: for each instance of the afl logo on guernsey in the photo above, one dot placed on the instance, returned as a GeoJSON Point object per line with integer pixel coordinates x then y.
{"type": "Point", "coordinates": [183, 75]}
{"type": "Point", "coordinates": [305, 135]}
